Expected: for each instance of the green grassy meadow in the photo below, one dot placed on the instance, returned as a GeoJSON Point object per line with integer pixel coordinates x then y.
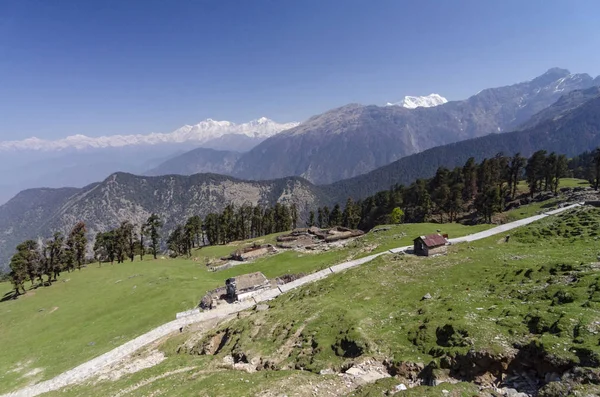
{"type": "Point", "coordinates": [540, 291]}
{"type": "Point", "coordinates": [88, 312]}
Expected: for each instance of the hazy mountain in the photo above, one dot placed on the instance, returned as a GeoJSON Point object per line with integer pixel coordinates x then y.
{"type": "Point", "coordinates": [412, 102]}
{"type": "Point", "coordinates": [233, 142]}
{"type": "Point", "coordinates": [204, 131]}
{"type": "Point", "coordinates": [197, 161]}
{"type": "Point", "coordinates": [76, 168]}
{"type": "Point", "coordinates": [355, 139]}
{"type": "Point", "coordinates": [79, 160]}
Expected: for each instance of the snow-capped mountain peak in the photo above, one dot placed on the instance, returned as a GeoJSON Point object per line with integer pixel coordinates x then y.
{"type": "Point", "coordinates": [199, 133]}
{"type": "Point", "coordinates": [412, 102]}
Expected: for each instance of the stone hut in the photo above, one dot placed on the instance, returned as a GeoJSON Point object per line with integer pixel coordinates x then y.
{"type": "Point", "coordinates": [246, 285]}
{"type": "Point", "coordinates": [432, 244]}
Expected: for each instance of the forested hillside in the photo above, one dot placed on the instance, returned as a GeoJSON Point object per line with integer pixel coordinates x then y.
{"type": "Point", "coordinates": [575, 132]}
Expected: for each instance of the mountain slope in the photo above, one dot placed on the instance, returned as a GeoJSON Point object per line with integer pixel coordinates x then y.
{"type": "Point", "coordinates": [27, 211]}
{"type": "Point", "coordinates": [197, 161]}
{"type": "Point", "coordinates": [575, 132]}
{"type": "Point", "coordinates": [40, 212]}
{"type": "Point", "coordinates": [355, 139]}
{"type": "Point", "coordinates": [564, 105]}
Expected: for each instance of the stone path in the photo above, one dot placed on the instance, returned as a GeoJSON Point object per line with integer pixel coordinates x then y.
{"type": "Point", "coordinates": [92, 367]}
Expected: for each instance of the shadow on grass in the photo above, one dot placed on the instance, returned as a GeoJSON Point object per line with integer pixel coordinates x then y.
{"type": "Point", "coordinates": [9, 296]}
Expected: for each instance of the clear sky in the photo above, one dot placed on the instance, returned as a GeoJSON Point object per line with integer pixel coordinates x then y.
{"type": "Point", "coordinates": [120, 67]}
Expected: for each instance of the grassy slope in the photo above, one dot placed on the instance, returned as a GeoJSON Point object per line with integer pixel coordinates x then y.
{"type": "Point", "coordinates": [542, 286]}
{"type": "Point", "coordinates": [98, 309]}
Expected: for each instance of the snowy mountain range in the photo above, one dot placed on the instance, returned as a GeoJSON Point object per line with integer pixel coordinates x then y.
{"type": "Point", "coordinates": [413, 102]}
{"type": "Point", "coordinates": [202, 132]}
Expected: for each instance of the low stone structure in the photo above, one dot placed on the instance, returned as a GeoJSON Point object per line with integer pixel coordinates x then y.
{"type": "Point", "coordinates": [310, 238]}
{"type": "Point", "coordinates": [432, 244]}
{"type": "Point", "coordinates": [244, 286]}
{"type": "Point", "coordinates": [249, 253]}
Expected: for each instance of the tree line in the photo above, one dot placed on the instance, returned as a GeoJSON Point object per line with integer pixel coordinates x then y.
{"type": "Point", "coordinates": [128, 240]}
{"type": "Point", "coordinates": [232, 224]}
{"type": "Point", "coordinates": [34, 260]}
{"type": "Point", "coordinates": [480, 189]}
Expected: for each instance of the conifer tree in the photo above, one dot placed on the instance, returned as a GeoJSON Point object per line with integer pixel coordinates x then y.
{"type": "Point", "coordinates": [153, 226]}
{"type": "Point", "coordinates": [77, 242]}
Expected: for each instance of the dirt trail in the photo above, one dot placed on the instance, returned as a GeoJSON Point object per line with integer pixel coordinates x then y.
{"type": "Point", "coordinates": [94, 366]}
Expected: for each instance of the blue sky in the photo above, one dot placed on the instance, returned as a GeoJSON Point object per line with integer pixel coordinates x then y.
{"type": "Point", "coordinates": [121, 67]}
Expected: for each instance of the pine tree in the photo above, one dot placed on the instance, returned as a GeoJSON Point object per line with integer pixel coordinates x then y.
{"type": "Point", "coordinates": [311, 219]}
{"type": "Point", "coordinates": [257, 225]}
{"type": "Point", "coordinates": [517, 164]}
{"type": "Point", "coordinates": [78, 242]}
{"type": "Point", "coordinates": [100, 248]}
{"type": "Point", "coordinates": [351, 216]}
{"type": "Point", "coordinates": [142, 245]}
{"type": "Point", "coordinates": [534, 171]}
{"type": "Point", "coordinates": [470, 179]}
{"type": "Point", "coordinates": [294, 215]}
{"type": "Point", "coordinates": [596, 156]}
{"type": "Point", "coordinates": [194, 224]}
{"type": "Point", "coordinates": [28, 261]}
{"type": "Point", "coordinates": [335, 218]}
{"type": "Point", "coordinates": [55, 254]}
{"type": "Point", "coordinates": [19, 264]}
{"type": "Point", "coordinates": [153, 225]}
{"type": "Point", "coordinates": [326, 217]}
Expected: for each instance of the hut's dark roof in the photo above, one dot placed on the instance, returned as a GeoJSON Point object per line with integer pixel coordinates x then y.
{"type": "Point", "coordinates": [433, 240]}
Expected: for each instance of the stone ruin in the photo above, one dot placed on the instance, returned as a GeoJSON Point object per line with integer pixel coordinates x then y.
{"type": "Point", "coordinates": [249, 253]}
{"type": "Point", "coordinates": [236, 288]}
{"type": "Point", "coordinates": [313, 237]}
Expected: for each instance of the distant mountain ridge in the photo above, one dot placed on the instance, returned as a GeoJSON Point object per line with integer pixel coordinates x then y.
{"type": "Point", "coordinates": [200, 160]}
{"type": "Point", "coordinates": [202, 132]}
{"type": "Point", "coordinates": [355, 139]}
{"type": "Point", "coordinates": [38, 212]}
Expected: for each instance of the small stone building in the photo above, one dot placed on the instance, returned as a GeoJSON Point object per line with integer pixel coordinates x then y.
{"type": "Point", "coordinates": [246, 285]}
{"type": "Point", "coordinates": [432, 244]}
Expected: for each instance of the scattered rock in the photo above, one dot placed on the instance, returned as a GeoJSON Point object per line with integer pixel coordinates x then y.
{"type": "Point", "coordinates": [509, 392]}
{"type": "Point", "coordinates": [400, 387]}
{"type": "Point", "coordinates": [552, 377]}
{"type": "Point", "coordinates": [262, 307]}
{"type": "Point", "coordinates": [228, 361]}
{"type": "Point", "coordinates": [355, 371]}
{"type": "Point", "coordinates": [426, 296]}
{"type": "Point", "coordinates": [91, 343]}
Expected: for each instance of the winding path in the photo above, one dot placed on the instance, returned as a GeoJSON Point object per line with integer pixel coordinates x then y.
{"type": "Point", "coordinates": [92, 367]}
